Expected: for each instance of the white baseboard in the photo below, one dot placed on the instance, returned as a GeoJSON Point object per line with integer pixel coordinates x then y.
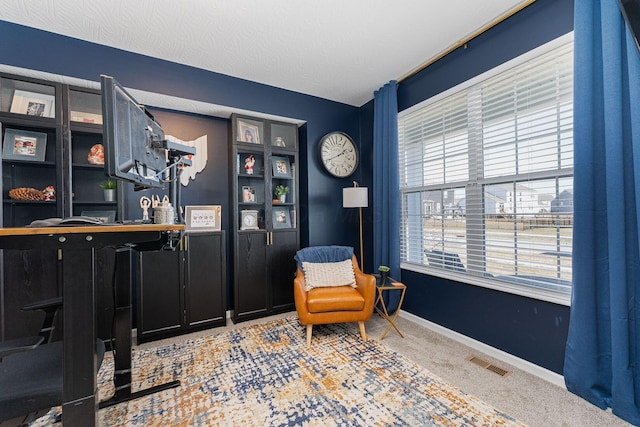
{"type": "Point", "coordinates": [519, 363]}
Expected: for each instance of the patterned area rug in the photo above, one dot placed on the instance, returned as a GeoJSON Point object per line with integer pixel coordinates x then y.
{"type": "Point", "coordinates": [264, 375]}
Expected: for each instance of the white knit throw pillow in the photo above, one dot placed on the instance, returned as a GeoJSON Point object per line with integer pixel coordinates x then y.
{"type": "Point", "coordinates": [325, 274]}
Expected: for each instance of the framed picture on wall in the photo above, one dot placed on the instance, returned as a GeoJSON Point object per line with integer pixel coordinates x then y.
{"type": "Point", "coordinates": [203, 218]}
{"type": "Point", "coordinates": [24, 145]}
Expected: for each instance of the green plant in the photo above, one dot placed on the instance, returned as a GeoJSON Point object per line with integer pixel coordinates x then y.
{"type": "Point", "coordinates": [281, 190]}
{"type": "Point", "coordinates": [383, 268]}
{"type": "Point", "coordinates": [109, 184]}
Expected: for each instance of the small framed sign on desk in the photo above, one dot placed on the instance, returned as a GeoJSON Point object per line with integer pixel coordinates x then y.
{"type": "Point", "coordinates": [203, 218]}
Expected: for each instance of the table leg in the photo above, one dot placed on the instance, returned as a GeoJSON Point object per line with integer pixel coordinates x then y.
{"type": "Point", "coordinates": [385, 314]}
{"type": "Point", "coordinates": [80, 397]}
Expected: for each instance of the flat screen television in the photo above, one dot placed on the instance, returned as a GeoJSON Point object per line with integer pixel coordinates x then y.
{"type": "Point", "coordinates": [132, 138]}
{"type": "Point", "coordinates": [631, 12]}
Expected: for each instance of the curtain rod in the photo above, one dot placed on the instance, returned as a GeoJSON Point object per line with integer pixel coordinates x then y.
{"type": "Point", "coordinates": [465, 41]}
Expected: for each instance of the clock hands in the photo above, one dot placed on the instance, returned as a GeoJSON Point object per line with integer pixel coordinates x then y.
{"type": "Point", "coordinates": [338, 155]}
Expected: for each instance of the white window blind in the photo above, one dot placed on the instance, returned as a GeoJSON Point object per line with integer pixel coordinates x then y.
{"type": "Point", "coordinates": [486, 176]}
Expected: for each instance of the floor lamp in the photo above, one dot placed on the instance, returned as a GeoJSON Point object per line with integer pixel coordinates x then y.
{"type": "Point", "coordinates": [356, 197]}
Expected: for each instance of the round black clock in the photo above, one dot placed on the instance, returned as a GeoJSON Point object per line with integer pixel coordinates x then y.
{"type": "Point", "coordinates": [338, 154]}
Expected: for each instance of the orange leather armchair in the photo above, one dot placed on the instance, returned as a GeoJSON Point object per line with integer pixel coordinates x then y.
{"type": "Point", "coordinates": [338, 304]}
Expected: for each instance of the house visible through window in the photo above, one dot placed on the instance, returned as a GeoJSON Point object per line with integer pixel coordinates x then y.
{"type": "Point", "coordinates": [486, 177]}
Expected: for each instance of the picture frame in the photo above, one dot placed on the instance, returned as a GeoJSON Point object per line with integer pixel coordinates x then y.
{"type": "Point", "coordinates": [248, 133]}
{"type": "Point", "coordinates": [104, 216]}
{"type": "Point", "coordinates": [32, 104]}
{"type": "Point", "coordinates": [281, 217]}
{"type": "Point", "coordinates": [203, 218]}
{"type": "Point", "coordinates": [24, 145]}
{"type": "Point", "coordinates": [248, 194]}
{"type": "Point", "coordinates": [281, 167]}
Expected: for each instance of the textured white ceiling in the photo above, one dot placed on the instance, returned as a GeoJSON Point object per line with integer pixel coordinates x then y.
{"type": "Point", "coordinates": [342, 50]}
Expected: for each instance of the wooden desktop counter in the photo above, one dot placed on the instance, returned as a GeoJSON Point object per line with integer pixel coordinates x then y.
{"type": "Point", "coordinates": [77, 246]}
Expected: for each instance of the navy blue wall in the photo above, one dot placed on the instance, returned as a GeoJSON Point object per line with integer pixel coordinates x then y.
{"type": "Point", "coordinates": [322, 219]}
{"type": "Point", "coordinates": [530, 329]}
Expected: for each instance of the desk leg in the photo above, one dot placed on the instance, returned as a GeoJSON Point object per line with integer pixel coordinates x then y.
{"type": "Point", "coordinates": [122, 361]}
{"type": "Point", "coordinates": [80, 397]}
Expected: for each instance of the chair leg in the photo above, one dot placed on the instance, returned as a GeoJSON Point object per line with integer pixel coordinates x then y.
{"type": "Point", "coordinates": [309, 329]}
{"type": "Point", "coordinates": [363, 333]}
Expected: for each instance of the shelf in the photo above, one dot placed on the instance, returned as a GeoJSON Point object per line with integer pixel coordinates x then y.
{"type": "Point", "coordinates": [28, 163]}
{"type": "Point", "coordinates": [28, 202]}
{"type": "Point", "coordinates": [94, 202]}
{"type": "Point", "coordinates": [88, 166]}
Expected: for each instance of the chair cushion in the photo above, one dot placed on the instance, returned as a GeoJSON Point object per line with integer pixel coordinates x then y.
{"type": "Point", "coordinates": [323, 274]}
{"type": "Point", "coordinates": [339, 298]}
{"type": "Point", "coordinates": [323, 254]}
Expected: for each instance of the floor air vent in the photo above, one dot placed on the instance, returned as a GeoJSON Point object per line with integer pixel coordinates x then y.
{"type": "Point", "coordinates": [488, 365]}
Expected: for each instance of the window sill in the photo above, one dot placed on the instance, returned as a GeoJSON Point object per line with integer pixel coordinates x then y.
{"type": "Point", "coordinates": [555, 297]}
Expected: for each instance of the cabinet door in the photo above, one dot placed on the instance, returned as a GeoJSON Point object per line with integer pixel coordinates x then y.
{"type": "Point", "coordinates": [205, 280]}
{"type": "Point", "coordinates": [159, 306]}
{"type": "Point", "coordinates": [251, 291]}
{"type": "Point", "coordinates": [283, 269]}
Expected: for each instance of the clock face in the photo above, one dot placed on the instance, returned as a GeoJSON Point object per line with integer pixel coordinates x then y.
{"type": "Point", "coordinates": [249, 219]}
{"type": "Point", "coordinates": [339, 154]}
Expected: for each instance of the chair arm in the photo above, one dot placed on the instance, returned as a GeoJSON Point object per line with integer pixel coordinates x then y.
{"type": "Point", "coordinates": [299, 291]}
{"type": "Point", "coordinates": [366, 284]}
{"type": "Point", "coordinates": [52, 303]}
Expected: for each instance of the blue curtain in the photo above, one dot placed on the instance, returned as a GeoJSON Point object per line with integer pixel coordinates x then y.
{"type": "Point", "coordinates": [602, 355]}
{"type": "Point", "coordinates": [386, 184]}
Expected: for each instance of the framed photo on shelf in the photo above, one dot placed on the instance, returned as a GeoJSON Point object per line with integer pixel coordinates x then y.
{"type": "Point", "coordinates": [203, 218]}
{"type": "Point", "coordinates": [104, 216]}
{"type": "Point", "coordinates": [32, 104]}
{"type": "Point", "coordinates": [281, 167]}
{"type": "Point", "coordinates": [248, 133]}
{"type": "Point", "coordinates": [24, 145]}
{"type": "Point", "coordinates": [248, 194]}
{"type": "Point", "coordinates": [281, 218]}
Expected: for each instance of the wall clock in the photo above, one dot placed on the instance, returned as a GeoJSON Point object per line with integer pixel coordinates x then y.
{"type": "Point", "coordinates": [338, 154]}
{"type": "Point", "coordinates": [248, 220]}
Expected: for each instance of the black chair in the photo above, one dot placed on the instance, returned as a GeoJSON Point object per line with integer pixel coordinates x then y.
{"type": "Point", "coordinates": [31, 382]}
{"type": "Point", "coordinates": [31, 370]}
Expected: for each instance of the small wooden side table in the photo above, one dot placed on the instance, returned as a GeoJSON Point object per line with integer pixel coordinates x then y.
{"type": "Point", "coordinates": [391, 285]}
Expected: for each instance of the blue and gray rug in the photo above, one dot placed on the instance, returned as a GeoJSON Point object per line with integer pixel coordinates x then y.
{"type": "Point", "coordinates": [265, 375]}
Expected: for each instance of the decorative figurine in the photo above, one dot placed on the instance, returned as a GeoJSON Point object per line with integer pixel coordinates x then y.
{"type": "Point", "coordinates": [248, 164]}
{"type": "Point", "coordinates": [145, 203]}
{"type": "Point", "coordinates": [49, 193]}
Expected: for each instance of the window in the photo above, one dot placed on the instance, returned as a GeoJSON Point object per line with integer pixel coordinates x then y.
{"type": "Point", "coordinates": [486, 177]}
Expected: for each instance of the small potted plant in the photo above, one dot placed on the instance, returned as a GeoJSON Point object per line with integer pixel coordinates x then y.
{"type": "Point", "coordinates": [281, 192]}
{"type": "Point", "coordinates": [109, 186]}
{"type": "Point", "coordinates": [384, 274]}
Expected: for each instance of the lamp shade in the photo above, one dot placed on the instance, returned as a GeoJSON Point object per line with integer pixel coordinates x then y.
{"type": "Point", "coordinates": [355, 197]}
